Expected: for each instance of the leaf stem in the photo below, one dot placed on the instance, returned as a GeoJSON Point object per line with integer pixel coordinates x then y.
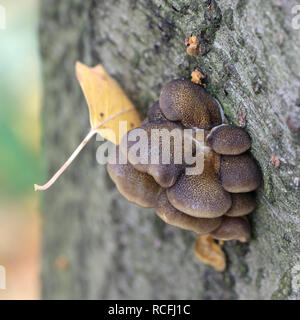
{"type": "Point", "coordinates": [83, 143]}
{"type": "Point", "coordinates": [67, 163]}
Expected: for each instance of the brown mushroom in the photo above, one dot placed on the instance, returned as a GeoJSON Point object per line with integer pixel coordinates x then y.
{"type": "Point", "coordinates": [165, 174]}
{"type": "Point", "coordinates": [155, 114]}
{"type": "Point", "coordinates": [228, 140]}
{"type": "Point", "coordinates": [135, 186]}
{"type": "Point", "coordinates": [179, 219]}
{"type": "Point", "coordinates": [233, 228]}
{"type": "Point", "coordinates": [202, 195]}
{"type": "Point", "coordinates": [242, 204]}
{"type": "Point", "coordinates": [239, 173]}
{"type": "Point", "coordinates": [185, 101]}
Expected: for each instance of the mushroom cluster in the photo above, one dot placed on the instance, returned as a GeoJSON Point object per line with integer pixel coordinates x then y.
{"type": "Point", "coordinates": [214, 202]}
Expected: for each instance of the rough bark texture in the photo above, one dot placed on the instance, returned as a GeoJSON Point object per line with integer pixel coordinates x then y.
{"type": "Point", "coordinates": [115, 249]}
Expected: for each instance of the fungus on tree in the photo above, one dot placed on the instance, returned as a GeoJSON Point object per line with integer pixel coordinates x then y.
{"type": "Point", "coordinates": [165, 174]}
{"type": "Point", "coordinates": [174, 217]}
{"type": "Point", "coordinates": [185, 101]}
{"type": "Point", "coordinates": [200, 195]}
{"type": "Point", "coordinates": [212, 203]}
{"type": "Point", "coordinates": [233, 228]}
{"type": "Point", "coordinates": [155, 114]}
{"type": "Point", "coordinates": [228, 140]}
{"type": "Point", "coordinates": [239, 173]}
{"type": "Point", "coordinates": [135, 186]}
{"type": "Point", "coordinates": [242, 204]}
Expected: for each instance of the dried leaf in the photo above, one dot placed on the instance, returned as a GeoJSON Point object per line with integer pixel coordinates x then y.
{"type": "Point", "coordinates": [192, 44]}
{"type": "Point", "coordinates": [198, 77]}
{"type": "Point", "coordinates": [210, 253]}
{"type": "Point", "coordinates": [108, 105]}
{"type": "Point", "coordinates": [105, 98]}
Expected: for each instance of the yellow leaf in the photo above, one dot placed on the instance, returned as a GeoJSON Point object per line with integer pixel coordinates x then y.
{"type": "Point", "coordinates": [105, 99]}
{"type": "Point", "coordinates": [209, 252]}
{"type": "Point", "coordinates": [108, 105]}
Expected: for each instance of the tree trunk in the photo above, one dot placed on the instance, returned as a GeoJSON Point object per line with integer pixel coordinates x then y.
{"type": "Point", "coordinates": [98, 245]}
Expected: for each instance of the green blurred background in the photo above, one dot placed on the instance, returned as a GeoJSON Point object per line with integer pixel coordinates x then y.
{"type": "Point", "coordinates": [20, 163]}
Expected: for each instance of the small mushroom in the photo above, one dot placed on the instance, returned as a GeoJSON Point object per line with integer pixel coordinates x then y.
{"type": "Point", "coordinates": [239, 173]}
{"type": "Point", "coordinates": [179, 219]}
{"type": "Point", "coordinates": [228, 140]}
{"type": "Point", "coordinates": [135, 186]}
{"type": "Point", "coordinates": [233, 228]}
{"type": "Point", "coordinates": [242, 204]}
{"type": "Point", "coordinates": [200, 196]}
{"type": "Point", "coordinates": [155, 114]}
{"type": "Point", "coordinates": [164, 174]}
{"type": "Point", "coordinates": [185, 101]}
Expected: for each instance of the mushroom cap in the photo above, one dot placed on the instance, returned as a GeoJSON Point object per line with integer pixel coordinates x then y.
{"type": "Point", "coordinates": [185, 101]}
{"type": "Point", "coordinates": [164, 174]}
{"type": "Point", "coordinates": [174, 217]}
{"type": "Point", "coordinates": [239, 173]}
{"type": "Point", "coordinates": [200, 196]}
{"type": "Point", "coordinates": [155, 114]}
{"type": "Point", "coordinates": [233, 228]}
{"type": "Point", "coordinates": [228, 140]}
{"type": "Point", "coordinates": [135, 186]}
{"type": "Point", "coordinates": [242, 204]}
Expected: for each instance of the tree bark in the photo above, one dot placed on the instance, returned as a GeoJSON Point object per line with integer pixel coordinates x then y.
{"type": "Point", "coordinates": [96, 244]}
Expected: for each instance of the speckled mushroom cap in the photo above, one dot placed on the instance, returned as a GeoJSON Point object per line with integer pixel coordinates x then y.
{"type": "Point", "coordinates": [242, 204]}
{"type": "Point", "coordinates": [200, 195]}
{"type": "Point", "coordinates": [135, 186]}
{"type": "Point", "coordinates": [164, 174]}
{"type": "Point", "coordinates": [179, 219]}
{"type": "Point", "coordinates": [233, 228]}
{"type": "Point", "coordinates": [239, 173]}
{"type": "Point", "coordinates": [155, 114]}
{"type": "Point", "coordinates": [185, 101]}
{"type": "Point", "coordinates": [228, 140]}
